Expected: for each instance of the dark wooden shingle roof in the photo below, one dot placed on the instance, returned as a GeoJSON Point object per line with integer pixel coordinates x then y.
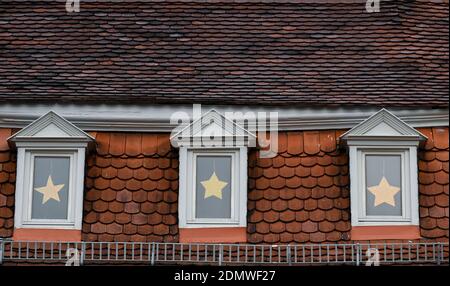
{"type": "Point", "coordinates": [228, 52]}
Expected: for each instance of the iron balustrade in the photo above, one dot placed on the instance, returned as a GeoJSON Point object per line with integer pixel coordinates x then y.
{"type": "Point", "coordinates": [153, 253]}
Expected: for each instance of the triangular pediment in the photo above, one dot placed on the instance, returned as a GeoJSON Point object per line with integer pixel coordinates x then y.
{"type": "Point", "coordinates": [213, 125]}
{"type": "Point", "coordinates": [51, 126]}
{"type": "Point", "coordinates": [383, 124]}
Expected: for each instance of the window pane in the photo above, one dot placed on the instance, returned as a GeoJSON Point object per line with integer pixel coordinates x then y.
{"type": "Point", "coordinates": [50, 188]}
{"type": "Point", "coordinates": [383, 182]}
{"type": "Point", "coordinates": [213, 187]}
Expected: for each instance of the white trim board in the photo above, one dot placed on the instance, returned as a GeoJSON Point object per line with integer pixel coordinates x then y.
{"type": "Point", "coordinates": [156, 118]}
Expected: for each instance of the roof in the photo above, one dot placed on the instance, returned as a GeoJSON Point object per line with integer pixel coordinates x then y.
{"type": "Point", "coordinates": [231, 52]}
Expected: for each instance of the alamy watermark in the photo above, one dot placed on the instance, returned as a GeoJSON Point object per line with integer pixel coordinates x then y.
{"type": "Point", "coordinates": [373, 6]}
{"type": "Point", "coordinates": [73, 257]}
{"type": "Point", "coordinates": [74, 6]}
{"type": "Point", "coordinates": [373, 257]}
{"type": "Point", "coordinates": [230, 129]}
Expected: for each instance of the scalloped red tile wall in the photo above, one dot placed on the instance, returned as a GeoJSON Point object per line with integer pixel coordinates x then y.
{"type": "Point", "coordinates": [131, 189]}
{"type": "Point", "coordinates": [299, 196]}
{"type": "Point", "coordinates": [7, 184]}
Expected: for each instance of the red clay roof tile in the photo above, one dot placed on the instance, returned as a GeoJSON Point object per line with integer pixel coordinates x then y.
{"type": "Point", "coordinates": [101, 183]}
{"type": "Point", "coordinates": [277, 183]}
{"type": "Point", "coordinates": [145, 229]}
{"type": "Point", "coordinates": [290, 162]}
{"type": "Point", "coordinates": [102, 142]}
{"type": "Point", "coordinates": [333, 215]}
{"type": "Point", "coordinates": [309, 227]}
{"type": "Point", "coordinates": [279, 205]}
{"type": "Point", "coordinates": [100, 206]}
{"type": "Point", "coordinates": [326, 226]}
{"type": "Point", "coordinates": [310, 204]}
{"type": "Point", "coordinates": [286, 237]}
{"type": "Point", "coordinates": [263, 227]}
{"type": "Point", "coordinates": [5, 133]}
{"type": "Point", "coordinates": [311, 142]}
{"type": "Point", "coordinates": [123, 218]}
{"type": "Point", "coordinates": [133, 143]}
{"type": "Point", "coordinates": [133, 184]}
{"type": "Point", "coordinates": [92, 195]}
{"type": "Point", "coordinates": [294, 227]}
{"type": "Point", "coordinates": [155, 174]}
{"type": "Point", "coordinates": [440, 135]}
{"type": "Point", "coordinates": [124, 196]}
{"type": "Point", "coordinates": [295, 204]}
{"type": "Point", "coordinates": [442, 156]}
{"type": "Point", "coordinates": [301, 237]}
{"type": "Point", "coordinates": [130, 229]}
{"type": "Point", "coordinates": [327, 140]}
{"type": "Point", "coordinates": [436, 212]}
{"type": "Point", "coordinates": [131, 207]}
{"type": "Point", "coordinates": [149, 144]}
{"type": "Point", "coordinates": [279, 161]}
{"type": "Point", "coordinates": [139, 219]}
{"type": "Point", "coordinates": [117, 144]}
{"type": "Point", "coordinates": [295, 143]}
{"type": "Point", "coordinates": [277, 227]}
{"type": "Point", "coordinates": [106, 217]}
{"type": "Point", "coordinates": [293, 182]}
{"type": "Point", "coordinates": [134, 163]}
{"type": "Point", "coordinates": [161, 229]}
{"type": "Point", "coordinates": [441, 177]}
{"type": "Point", "coordinates": [282, 142]}
{"type": "Point", "coordinates": [287, 194]}
{"type": "Point", "coordinates": [308, 161]}
{"type": "Point", "coordinates": [428, 132]}
{"type": "Point", "coordinates": [343, 226]}
{"type": "Point", "coordinates": [317, 215]}
{"type": "Point", "coordinates": [116, 207]}
{"type": "Point", "coordinates": [163, 144]}
{"type": "Point", "coordinates": [125, 173]}
{"type": "Point", "coordinates": [139, 196]}
{"type": "Point", "coordinates": [317, 237]}
{"type": "Point", "coordinates": [271, 216]}
{"type": "Point", "coordinates": [98, 228]}
{"type": "Point", "coordinates": [287, 216]}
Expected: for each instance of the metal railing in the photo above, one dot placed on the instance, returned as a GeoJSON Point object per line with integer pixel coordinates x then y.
{"type": "Point", "coordinates": [152, 253]}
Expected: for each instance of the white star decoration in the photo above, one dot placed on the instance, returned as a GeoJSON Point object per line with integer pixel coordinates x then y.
{"type": "Point", "coordinates": [384, 193]}
{"type": "Point", "coordinates": [213, 187]}
{"type": "Point", "coordinates": [50, 191]}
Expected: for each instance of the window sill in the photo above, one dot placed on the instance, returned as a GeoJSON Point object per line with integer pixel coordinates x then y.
{"type": "Point", "coordinates": [385, 232]}
{"type": "Point", "coordinates": [41, 234]}
{"type": "Point", "coordinates": [210, 235]}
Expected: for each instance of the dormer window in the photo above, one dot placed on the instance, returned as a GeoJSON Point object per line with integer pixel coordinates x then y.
{"type": "Point", "coordinates": [213, 180]}
{"type": "Point", "coordinates": [383, 178]}
{"type": "Point", "coordinates": [50, 179]}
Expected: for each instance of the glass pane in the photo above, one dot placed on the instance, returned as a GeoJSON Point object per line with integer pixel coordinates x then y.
{"type": "Point", "coordinates": [213, 187]}
{"type": "Point", "coordinates": [383, 181]}
{"type": "Point", "coordinates": [50, 188]}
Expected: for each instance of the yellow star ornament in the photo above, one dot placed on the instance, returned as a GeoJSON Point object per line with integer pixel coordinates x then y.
{"type": "Point", "coordinates": [213, 187]}
{"type": "Point", "coordinates": [384, 193]}
{"type": "Point", "coordinates": [50, 191]}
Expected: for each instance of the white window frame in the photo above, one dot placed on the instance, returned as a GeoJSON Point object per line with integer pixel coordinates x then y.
{"type": "Point", "coordinates": [383, 133]}
{"type": "Point", "coordinates": [24, 188]}
{"type": "Point", "coordinates": [409, 187]}
{"type": "Point", "coordinates": [50, 135]}
{"type": "Point", "coordinates": [187, 187]}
